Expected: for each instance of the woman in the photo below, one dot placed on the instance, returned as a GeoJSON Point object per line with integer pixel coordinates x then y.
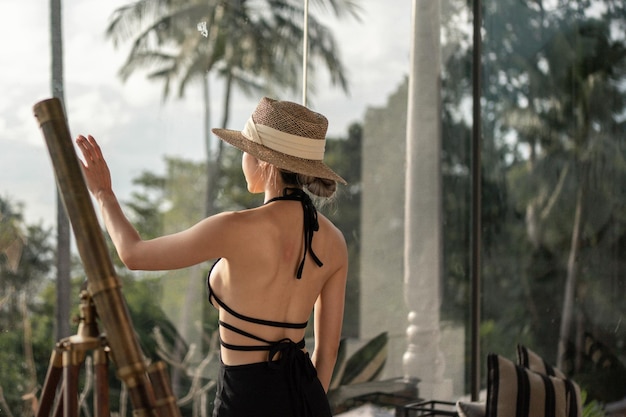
{"type": "Point", "coordinates": [276, 264]}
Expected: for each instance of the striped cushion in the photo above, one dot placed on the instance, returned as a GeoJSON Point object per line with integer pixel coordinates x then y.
{"type": "Point", "coordinates": [514, 391]}
{"type": "Point", "coordinates": [470, 409]}
{"type": "Point", "coordinates": [529, 359]}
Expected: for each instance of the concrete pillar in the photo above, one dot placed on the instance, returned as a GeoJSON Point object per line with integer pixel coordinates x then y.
{"type": "Point", "coordinates": [423, 358]}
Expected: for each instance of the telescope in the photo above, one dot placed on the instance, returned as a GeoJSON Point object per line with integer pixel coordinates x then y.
{"type": "Point", "coordinates": [148, 384]}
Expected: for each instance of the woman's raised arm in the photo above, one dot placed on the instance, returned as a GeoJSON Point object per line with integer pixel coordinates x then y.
{"type": "Point", "coordinates": [189, 247]}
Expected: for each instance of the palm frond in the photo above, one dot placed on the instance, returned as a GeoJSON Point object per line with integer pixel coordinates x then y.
{"type": "Point", "coordinates": [342, 8]}
{"type": "Point", "coordinates": [258, 44]}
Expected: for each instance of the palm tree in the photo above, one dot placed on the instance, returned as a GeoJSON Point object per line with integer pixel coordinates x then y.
{"type": "Point", "coordinates": [253, 46]}
{"type": "Point", "coordinates": [63, 222]}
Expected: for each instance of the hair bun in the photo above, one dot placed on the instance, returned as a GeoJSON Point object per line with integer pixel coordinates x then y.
{"type": "Point", "coordinates": [320, 187]}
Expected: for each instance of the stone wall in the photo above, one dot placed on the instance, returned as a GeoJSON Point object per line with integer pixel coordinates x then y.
{"type": "Point", "coordinates": [382, 216]}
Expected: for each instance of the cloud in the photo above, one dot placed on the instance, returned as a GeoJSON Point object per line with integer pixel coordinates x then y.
{"type": "Point", "coordinates": [26, 178]}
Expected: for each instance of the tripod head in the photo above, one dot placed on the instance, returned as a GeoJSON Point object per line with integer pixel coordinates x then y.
{"type": "Point", "coordinates": [88, 332]}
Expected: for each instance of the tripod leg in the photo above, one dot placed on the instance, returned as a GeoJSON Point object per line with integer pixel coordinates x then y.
{"type": "Point", "coordinates": [101, 394]}
{"type": "Point", "coordinates": [166, 401]}
{"type": "Point", "coordinates": [58, 410]}
{"type": "Point", "coordinates": [71, 366]}
{"type": "Point", "coordinates": [50, 384]}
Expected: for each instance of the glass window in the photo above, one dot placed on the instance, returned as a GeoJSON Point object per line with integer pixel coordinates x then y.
{"type": "Point", "coordinates": [553, 181]}
{"type": "Point", "coordinates": [399, 96]}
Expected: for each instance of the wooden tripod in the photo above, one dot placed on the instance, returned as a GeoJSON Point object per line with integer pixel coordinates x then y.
{"type": "Point", "coordinates": [66, 361]}
{"type": "Point", "coordinates": [68, 356]}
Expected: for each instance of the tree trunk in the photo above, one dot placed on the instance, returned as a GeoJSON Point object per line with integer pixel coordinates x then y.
{"type": "Point", "coordinates": [227, 94]}
{"type": "Point", "coordinates": [214, 159]}
{"type": "Point", "coordinates": [30, 376]}
{"type": "Point", "coordinates": [211, 169]}
{"type": "Point", "coordinates": [63, 223]}
{"type": "Point", "coordinates": [567, 316]}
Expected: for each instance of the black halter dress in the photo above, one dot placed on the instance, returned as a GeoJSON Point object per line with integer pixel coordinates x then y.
{"type": "Point", "coordinates": [283, 387]}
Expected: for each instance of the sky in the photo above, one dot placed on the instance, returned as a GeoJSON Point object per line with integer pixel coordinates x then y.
{"type": "Point", "coordinates": [134, 127]}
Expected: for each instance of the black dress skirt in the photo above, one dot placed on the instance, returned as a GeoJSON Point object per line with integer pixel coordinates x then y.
{"type": "Point", "coordinates": [287, 387]}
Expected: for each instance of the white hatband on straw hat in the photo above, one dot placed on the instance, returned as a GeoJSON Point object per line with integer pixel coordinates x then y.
{"type": "Point", "coordinates": [285, 134]}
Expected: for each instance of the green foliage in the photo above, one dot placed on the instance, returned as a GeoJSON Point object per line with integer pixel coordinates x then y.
{"type": "Point", "coordinates": [569, 64]}
{"type": "Point", "coordinates": [143, 298]}
{"type": "Point", "coordinates": [552, 127]}
{"type": "Point", "coordinates": [147, 203]}
{"type": "Point", "coordinates": [363, 366]}
{"type": "Point", "coordinates": [344, 156]}
{"type": "Point", "coordinates": [366, 363]}
{"type": "Point", "coordinates": [591, 408]}
{"type": "Point", "coordinates": [26, 321]}
{"type": "Point", "coordinates": [233, 192]}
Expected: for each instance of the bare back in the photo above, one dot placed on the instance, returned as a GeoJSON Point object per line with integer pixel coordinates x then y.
{"type": "Point", "coordinates": [260, 279]}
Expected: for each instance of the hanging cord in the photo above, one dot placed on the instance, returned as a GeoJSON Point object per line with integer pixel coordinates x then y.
{"type": "Point", "coordinates": [305, 51]}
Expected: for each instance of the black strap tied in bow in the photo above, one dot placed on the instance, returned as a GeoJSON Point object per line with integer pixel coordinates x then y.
{"type": "Point", "coordinates": [311, 225]}
{"type": "Point", "coordinates": [296, 363]}
{"type": "Point", "coordinates": [286, 355]}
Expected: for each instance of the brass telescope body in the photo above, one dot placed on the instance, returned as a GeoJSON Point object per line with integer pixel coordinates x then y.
{"type": "Point", "coordinates": [102, 282]}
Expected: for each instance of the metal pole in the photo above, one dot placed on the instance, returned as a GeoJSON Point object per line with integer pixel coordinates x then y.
{"type": "Point", "coordinates": [305, 51]}
{"type": "Point", "coordinates": [476, 206]}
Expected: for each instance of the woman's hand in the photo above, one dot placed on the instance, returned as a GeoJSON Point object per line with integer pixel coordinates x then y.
{"type": "Point", "coordinates": [98, 178]}
{"type": "Point", "coordinates": [95, 168]}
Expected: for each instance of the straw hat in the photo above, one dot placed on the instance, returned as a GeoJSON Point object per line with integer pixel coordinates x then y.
{"type": "Point", "coordinates": [285, 134]}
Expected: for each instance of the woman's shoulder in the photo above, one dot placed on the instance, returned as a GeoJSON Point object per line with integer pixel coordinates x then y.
{"type": "Point", "coordinates": [326, 222]}
{"type": "Point", "coordinates": [233, 225]}
{"type": "Point", "coordinates": [243, 216]}
{"type": "Point", "coordinates": [255, 222]}
{"type": "Point", "coordinates": [335, 235]}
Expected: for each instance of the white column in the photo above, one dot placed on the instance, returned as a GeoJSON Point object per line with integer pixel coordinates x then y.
{"type": "Point", "coordinates": [423, 358]}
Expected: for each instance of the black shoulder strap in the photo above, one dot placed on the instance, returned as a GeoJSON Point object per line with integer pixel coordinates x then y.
{"type": "Point", "coordinates": [311, 225]}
